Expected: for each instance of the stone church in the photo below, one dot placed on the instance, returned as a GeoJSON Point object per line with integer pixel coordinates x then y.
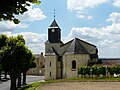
{"type": "Point", "coordinates": [62, 60]}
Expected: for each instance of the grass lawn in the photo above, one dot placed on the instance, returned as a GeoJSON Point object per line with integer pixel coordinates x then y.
{"type": "Point", "coordinates": [34, 85]}
{"type": "Point", "coordinates": [31, 86]}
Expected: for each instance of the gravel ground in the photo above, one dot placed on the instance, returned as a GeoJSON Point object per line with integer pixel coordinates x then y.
{"type": "Point", "coordinates": [81, 86]}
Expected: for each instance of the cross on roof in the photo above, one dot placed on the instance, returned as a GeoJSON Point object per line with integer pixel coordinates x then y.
{"type": "Point", "coordinates": [54, 13]}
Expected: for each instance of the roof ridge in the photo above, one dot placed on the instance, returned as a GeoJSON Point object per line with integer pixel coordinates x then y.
{"type": "Point", "coordinates": [67, 42]}
{"type": "Point", "coordinates": [76, 47]}
{"type": "Point", "coordinates": [86, 42]}
{"type": "Point", "coordinates": [74, 43]}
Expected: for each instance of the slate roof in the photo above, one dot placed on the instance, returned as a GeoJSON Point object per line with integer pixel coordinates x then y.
{"type": "Point", "coordinates": [50, 50]}
{"type": "Point", "coordinates": [76, 48]}
{"type": "Point", "coordinates": [58, 42]}
{"type": "Point", "coordinates": [86, 42]}
{"type": "Point", "coordinates": [54, 24]}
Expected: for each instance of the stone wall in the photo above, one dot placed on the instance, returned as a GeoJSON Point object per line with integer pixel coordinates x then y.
{"type": "Point", "coordinates": [50, 67]}
{"type": "Point", "coordinates": [81, 60]}
{"type": "Point", "coordinates": [40, 64]}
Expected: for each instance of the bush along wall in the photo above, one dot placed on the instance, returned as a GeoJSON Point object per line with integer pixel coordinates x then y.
{"type": "Point", "coordinates": [98, 71]}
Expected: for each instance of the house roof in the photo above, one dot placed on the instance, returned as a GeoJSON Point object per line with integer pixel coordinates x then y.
{"type": "Point", "coordinates": [50, 50]}
{"type": "Point", "coordinates": [86, 42]}
{"type": "Point", "coordinates": [54, 24]}
{"type": "Point", "coordinates": [76, 48]}
{"type": "Point", "coordinates": [58, 42]}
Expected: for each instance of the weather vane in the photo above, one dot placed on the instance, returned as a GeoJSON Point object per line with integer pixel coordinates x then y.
{"type": "Point", "coordinates": [54, 13]}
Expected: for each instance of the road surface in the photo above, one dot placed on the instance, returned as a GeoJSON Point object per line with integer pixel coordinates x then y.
{"type": "Point", "coordinates": [6, 85]}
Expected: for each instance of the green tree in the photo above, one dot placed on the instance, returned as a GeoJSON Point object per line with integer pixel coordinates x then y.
{"type": "Point", "coordinates": [31, 65]}
{"type": "Point", "coordinates": [103, 70]}
{"type": "Point", "coordinates": [87, 70]}
{"type": "Point", "coordinates": [13, 58]}
{"type": "Point", "coordinates": [117, 70]}
{"type": "Point", "coordinates": [84, 70]}
{"type": "Point", "coordinates": [10, 8]}
{"type": "Point", "coordinates": [28, 63]}
{"type": "Point", "coordinates": [98, 71]}
{"type": "Point", "coordinates": [93, 70]}
{"type": "Point", "coordinates": [0, 70]}
{"type": "Point", "coordinates": [111, 70]}
{"type": "Point", "coordinates": [81, 71]}
{"type": "Point", "coordinates": [3, 39]}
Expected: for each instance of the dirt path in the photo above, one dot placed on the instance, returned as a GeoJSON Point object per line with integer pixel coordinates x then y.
{"type": "Point", "coordinates": [81, 86]}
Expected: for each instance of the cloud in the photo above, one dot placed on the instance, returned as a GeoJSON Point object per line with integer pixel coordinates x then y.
{"type": "Point", "coordinates": [116, 3]}
{"type": "Point", "coordinates": [34, 41]}
{"type": "Point", "coordinates": [89, 17]}
{"type": "Point", "coordinates": [106, 38]}
{"type": "Point", "coordinates": [115, 27]}
{"type": "Point", "coordinates": [114, 18]}
{"type": "Point", "coordinates": [81, 6]}
{"type": "Point", "coordinates": [10, 26]}
{"type": "Point", "coordinates": [32, 14]}
{"type": "Point", "coordinates": [82, 16]}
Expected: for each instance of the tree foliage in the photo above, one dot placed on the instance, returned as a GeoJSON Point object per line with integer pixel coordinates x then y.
{"type": "Point", "coordinates": [3, 39]}
{"type": "Point", "coordinates": [0, 70]}
{"type": "Point", "coordinates": [10, 8]}
{"type": "Point", "coordinates": [0, 67]}
{"type": "Point", "coordinates": [15, 56]}
{"type": "Point", "coordinates": [117, 69]}
{"type": "Point", "coordinates": [111, 70]}
{"type": "Point", "coordinates": [102, 70]}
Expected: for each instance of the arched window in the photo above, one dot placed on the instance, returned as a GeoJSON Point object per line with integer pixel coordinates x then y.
{"type": "Point", "coordinates": [73, 64]}
{"type": "Point", "coordinates": [50, 64]}
{"type": "Point", "coordinates": [50, 74]}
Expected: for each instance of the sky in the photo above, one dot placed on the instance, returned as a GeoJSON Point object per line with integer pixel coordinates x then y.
{"type": "Point", "coordinates": [94, 21]}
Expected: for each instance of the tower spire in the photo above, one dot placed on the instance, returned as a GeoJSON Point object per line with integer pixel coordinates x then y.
{"type": "Point", "coordinates": [54, 13]}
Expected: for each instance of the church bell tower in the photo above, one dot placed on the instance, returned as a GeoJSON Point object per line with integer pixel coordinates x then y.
{"type": "Point", "coordinates": [54, 33]}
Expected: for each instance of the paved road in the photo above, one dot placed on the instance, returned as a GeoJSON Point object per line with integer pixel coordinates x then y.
{"type": "Point", "coordinates": [30, 79]}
